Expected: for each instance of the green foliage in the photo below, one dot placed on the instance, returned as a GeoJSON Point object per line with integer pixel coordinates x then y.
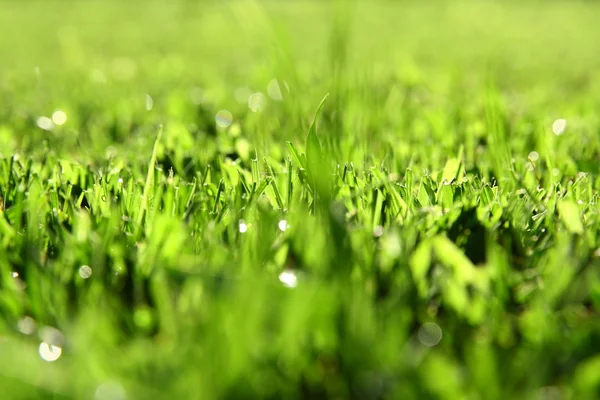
{"type": "Point", "coordinates": [195, 229]}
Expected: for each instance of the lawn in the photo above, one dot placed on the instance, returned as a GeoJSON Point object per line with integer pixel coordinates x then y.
{"type": "Point", "coordinates": [299, 200]}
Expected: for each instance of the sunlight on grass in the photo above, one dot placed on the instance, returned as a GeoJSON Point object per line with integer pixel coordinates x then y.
{"type": "Point", "coordinates": [303, 200]}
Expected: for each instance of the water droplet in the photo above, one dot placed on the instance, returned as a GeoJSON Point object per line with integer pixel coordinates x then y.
{"type": "Point", "coordinates": [26, 325]}
{"type": "Point", "coordinates": [289, 279]}
{"type": "Point", "coordinates": [49, 352]}
{"type": "Point", "coordinates": [45, 123]}
{"type": "Point", "coordinates": [120, 181]}
{"type": "Point", "coordinates": [149, 102]}
{"type": "Point", "coordinates": [15, 274]}
{"type": "Point", "coordinates": [59, 117]}
{"type": "Point", "coordinates": [430, 334]}
{"type": "Point", "coordinates": [534, 156]}
{"type": "Point", "coordinates": [555, 171]}
{"type": "Point", "coordinates": [283, 225]}
{"type": "Point", "coordinates": [558, 127]}
{"type": "Point", "coordinates": [85, 271]}
{"type": "Point", "coordinates": [378, 231]}
{"type": "Point", "coordinates": [256, 102]}
{"type": "Point", "coordinates": [242, 226]}
{"type": "Point", "coordinates": [51, 336]}
{"type": "Point", "coordinates": [224, 118]}
{"type": "Point", "coordinates": [274, 90]}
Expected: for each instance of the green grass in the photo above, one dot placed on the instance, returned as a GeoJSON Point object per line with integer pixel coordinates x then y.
{"type": "Point", "coordinates": [397, 220]}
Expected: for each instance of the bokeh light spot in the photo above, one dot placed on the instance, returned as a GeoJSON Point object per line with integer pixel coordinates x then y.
{"type": "Point", "coordinates": [26, 325]}
{"type": "Point", "coordinates": [378, 231]}
{"type": "Point", "coordinates": [223, 118]}
{"type": "Point", "coordinates": [534, 156]}
{"type": "Point", "coordinates": [45, 123]}
{"type": "Point", "coordinates": [430, 334]}
{"type": "Point", "coordinates": [559, 126]}
{"type": "Point", "coordinates": [85, 271]}
{"type": "Point", "coordinates": [283, 225]}
{"type": "Point", "coordinates": [59, 117]}
{"type": "Point", "coordinates": [289, 279]}
{"type": "Point", "coordinates": [49, 352]}
{"type": "Point", "coordinates": [257, 102]}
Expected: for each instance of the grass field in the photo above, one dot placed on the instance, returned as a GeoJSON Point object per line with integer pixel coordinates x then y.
{"type": "Point", "coordinates": [299, 200]}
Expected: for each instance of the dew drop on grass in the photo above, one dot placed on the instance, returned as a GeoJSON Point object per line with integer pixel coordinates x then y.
{"type": "Point", "coordinates": [26, 325]}
{"type": "Point", "coordinates": [45, 123]}
{"type": "Point", "coordinates": [242, 226]}
{"type": "Point", "coordinates": [283, 225]}
{"type": "Point", "coordinates": [378, 231]}
{"type": "Point", "coordinates": [289, 279]}
{"type": "Point", "coordinates": [534, 156]}
{"type": "Point", "coordinates": [59, 117]}
{"type": "Point", "coordinates": [49, 352]}
{"type": "Point", "coordinates": [558, 127]}
{"type": "Point", "coordinates": [223, 118]}
{"type": "Point", "coordinates": [85, 271]}
{"type": "Point", "coordinates": [430, 334]}
{"type": "Point", "coordinates": [257, 102]}
{"type": "Point", "coordinates": [51, 336]}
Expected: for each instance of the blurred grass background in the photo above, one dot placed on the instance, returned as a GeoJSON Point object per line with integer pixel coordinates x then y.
{"type": "Point", "coordinates": [193, 310]}
{"type": "Point", "coordinates": [112, 55]}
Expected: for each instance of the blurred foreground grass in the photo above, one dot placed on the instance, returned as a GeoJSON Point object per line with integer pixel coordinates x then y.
{"type": "Point", "coordinates": [177, 221]}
